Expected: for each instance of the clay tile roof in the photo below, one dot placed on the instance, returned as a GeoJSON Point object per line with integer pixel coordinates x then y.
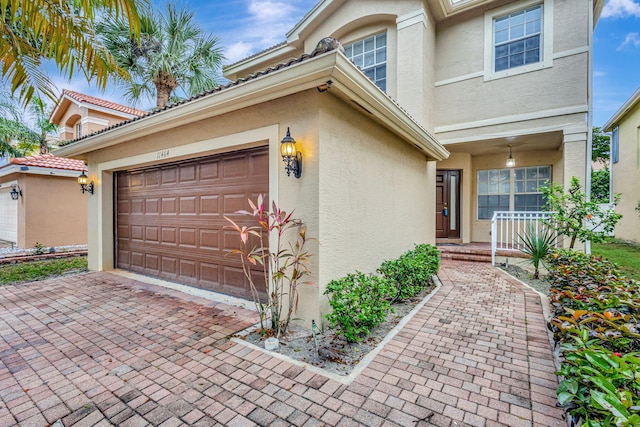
{"type": "Point", "coordinates": [80, 97]}
{"type": "Point", "coordinates": [50, 161]}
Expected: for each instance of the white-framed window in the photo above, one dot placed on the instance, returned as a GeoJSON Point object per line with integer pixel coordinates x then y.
{"type": "Point", "coordinates": [370, 55]}
{"type": "Point", "coordinates": [511, 190]}
{"type": "Point", "coordinates": [615, 146]}
{"type": "Point", "coordinates": [78, 130]}
{"type": "Point", "coordinates": [518, 38]}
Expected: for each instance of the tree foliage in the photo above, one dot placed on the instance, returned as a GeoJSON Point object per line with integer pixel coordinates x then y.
{"type": "Point", "coordinates": [600, 149]}
{"type": "Point", "coordinates": [173, 53]}
{"type": "Point", "coordinates": [577, 218]}
{"type": "Point", "coordinates": [36, 32]}
{"type": "Point", "coordinates": [24, 131]}
{"type": "Point", "coordinates": [600, 185]}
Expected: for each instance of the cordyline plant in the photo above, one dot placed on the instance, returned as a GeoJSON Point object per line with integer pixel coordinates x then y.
{"type": "Point", "coordinates": [284, 269]}
{"type": "Point", "coordinates": [575, 217]}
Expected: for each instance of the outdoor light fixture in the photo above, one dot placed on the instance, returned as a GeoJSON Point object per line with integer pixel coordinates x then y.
{"type": "Point", "coordinates": [511, 162]}
{"type": "Point", "coordinates": [292, 158]}
{"type": "Point", "coordinates": [85, 185]}
{"type": "Point", "coordinates": [15, 192]}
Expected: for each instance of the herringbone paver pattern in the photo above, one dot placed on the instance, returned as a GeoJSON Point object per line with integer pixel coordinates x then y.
{"type": "Point", "coordinates": [98, 349]}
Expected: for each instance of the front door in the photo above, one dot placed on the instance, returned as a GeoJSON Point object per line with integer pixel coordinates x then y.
{"type": "Point", "coordinates": [448, 204]}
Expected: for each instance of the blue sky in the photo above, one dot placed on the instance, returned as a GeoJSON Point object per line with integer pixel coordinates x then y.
{"type": "Point", "coordinates": [248, 26]}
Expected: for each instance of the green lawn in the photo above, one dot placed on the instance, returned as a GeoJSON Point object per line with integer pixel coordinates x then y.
{"type": "Point", "coordinates": [625, 255]}
{"type": "Point", "coordinates": [40, 270]}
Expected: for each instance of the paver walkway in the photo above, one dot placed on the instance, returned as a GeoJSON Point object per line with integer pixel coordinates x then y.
{"type": "Point", "coordinates": [97, 349]}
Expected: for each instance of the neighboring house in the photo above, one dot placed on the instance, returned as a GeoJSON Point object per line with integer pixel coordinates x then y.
{"type": "Point", "coordinates": [474, 76]}
{"type": "Point", "coordinates": [49, 209]}
{"type": "Point", "coordinates": [625, 166]}
{"type": "Point", "coordinates": [77, 114]}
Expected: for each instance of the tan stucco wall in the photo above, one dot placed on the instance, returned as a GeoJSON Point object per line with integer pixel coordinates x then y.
{"type": "Point", "coordinates": [346, 194]}
{"type": "Point", "coordinates": [463, 96]}
{"type": "Point", "coordinates": [374, 195]}
{"type": "Point", "coordinates": [626, 176]}
{"type": "Point", "coordinates": [53, 212]}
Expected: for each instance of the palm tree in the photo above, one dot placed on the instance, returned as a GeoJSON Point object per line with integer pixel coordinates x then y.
{"type": "Point", "coordinates": [33, 32]}
{"type": "Point", "coordinates": [18, 137]}
{"type": "Point", "coordinates": [172, 53]}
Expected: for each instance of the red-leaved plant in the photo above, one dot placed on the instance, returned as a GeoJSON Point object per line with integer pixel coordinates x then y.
{"type": "Point", "coordinates": [284, 268]}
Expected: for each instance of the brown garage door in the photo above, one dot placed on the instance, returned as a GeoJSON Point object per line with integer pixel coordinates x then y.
{"type": "Point", "coordinates": [169, 218]}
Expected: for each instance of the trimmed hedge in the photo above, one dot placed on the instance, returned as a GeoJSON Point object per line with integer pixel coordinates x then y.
{"type": "Point", "coordinates": [413, 270]}
{"type": "Point", "coordinates": [361, 302]}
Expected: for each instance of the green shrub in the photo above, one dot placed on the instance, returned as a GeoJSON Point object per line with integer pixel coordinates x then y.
{"type": "Point", "coordinates": [596, 314]}
{"type": "Point", "coordinates": [359, 303]}
{"type": "Point", "coordinates": [413, 270]}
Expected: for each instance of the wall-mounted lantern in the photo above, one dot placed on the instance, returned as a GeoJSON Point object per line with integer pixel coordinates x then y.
{"type": "Point", "coordinates": [16, 192]}
{"type": "Point", "coordinates": [85, 185]}
{"type": "Point", "coordinates": [291, 156]}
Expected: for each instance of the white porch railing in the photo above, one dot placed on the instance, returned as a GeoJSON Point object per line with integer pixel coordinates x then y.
{"type": "Point", "coordinates": [507, 227]}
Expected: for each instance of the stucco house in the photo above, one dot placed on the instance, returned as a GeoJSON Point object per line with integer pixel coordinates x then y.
{"type": "Point", "coordinates": [77, 114]}
{"type": "Point", "coordinates": [624, 126]}
{"type": "Point", "coordinates": [40, 201]}
{"type": "Point", "coordinates": [404, 137]}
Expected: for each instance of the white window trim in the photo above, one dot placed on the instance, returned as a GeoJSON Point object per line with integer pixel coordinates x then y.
{"type": "Point", "coordinates": [547, 39]}
{"type": "Point", "coordinates": [512, 186]}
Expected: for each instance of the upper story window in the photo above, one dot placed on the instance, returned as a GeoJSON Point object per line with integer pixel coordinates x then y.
{"type": "Point", "coordinates": [78, 130]}
{"type": "Point", "coordinates": [517, 38]}
{"type": "Point", "coordinates": [370, 55]}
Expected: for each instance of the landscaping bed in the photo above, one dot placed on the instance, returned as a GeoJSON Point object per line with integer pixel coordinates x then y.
{"type": "Point", "coordinates": [332, 352]}
{"type": "Point", "coordinates": [365, 308]}
{"type": "Point", "coordinates": [595, 312]}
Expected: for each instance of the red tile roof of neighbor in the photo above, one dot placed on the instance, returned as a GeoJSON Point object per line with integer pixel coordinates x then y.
{"type": "Point", "coordinates": [50, 161]}
{"type": "Point", "coordinates": [80, 97]}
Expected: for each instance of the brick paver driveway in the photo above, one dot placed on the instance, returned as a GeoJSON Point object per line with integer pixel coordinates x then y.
{"type": "Point", "coordinates": [100, 349]}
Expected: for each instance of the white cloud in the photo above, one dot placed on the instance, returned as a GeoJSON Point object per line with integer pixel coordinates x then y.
{"type": "Point", "coordinates": [621, 9]}
{"type": "Point", "coordinates": [237, 51]}
{"type": "Point", "coordinates": [599, 73]}
{"type": "Point", "coordinates": [632, 39]}
{"type": "Point", "coordinates": [265, 24]}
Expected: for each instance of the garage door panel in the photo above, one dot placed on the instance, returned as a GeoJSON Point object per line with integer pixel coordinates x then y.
{"type": "Point", "coordinates": [136, 232]}
{"type": "Point", "coordinates": [188, 237]}
{"type": "Point", "coordinates": [169, 205]}
{"type": "Point", "coordinates": [152, 206]}
{"type": "Point", "coordinates": [152, 262]}
{"type": "Point", "coordinates": [172, 226]}
{"type": "Point", "coordinates": [209, 239]}
{"type": "Point", "coordinates": [235, 167]}
{"type": "Point", "coordinates": [188, 205]}
{"type": "Point", "coordinates": [169, 176]}
{"type": "Point", "coordinates": [187, 174]}
{"type": "Point", "coordinates": [209, 170]}
{"type": "Point", "coordinates": [209, 205]}
{"type": "Point", "coordinates": [260, 165]}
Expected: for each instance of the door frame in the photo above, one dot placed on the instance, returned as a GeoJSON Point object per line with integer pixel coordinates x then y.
{"type": "Point", "coordinates": [456, 232]}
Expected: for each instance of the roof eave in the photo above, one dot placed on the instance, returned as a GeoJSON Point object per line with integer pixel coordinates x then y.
{"type": "Point", "coordinates": [334, 66]}
{"type": "Point", "coordinates": [234, 70]}
{"type": "Point", "coordinates": [622, 111]}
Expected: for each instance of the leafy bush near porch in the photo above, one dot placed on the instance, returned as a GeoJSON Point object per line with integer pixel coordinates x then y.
{"type": "Point", "coordinates": [360, 303]}
{"type": "Point", "coordinates": [596, 313]}
{"type": "Point", "coordinates": [412, 271]}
